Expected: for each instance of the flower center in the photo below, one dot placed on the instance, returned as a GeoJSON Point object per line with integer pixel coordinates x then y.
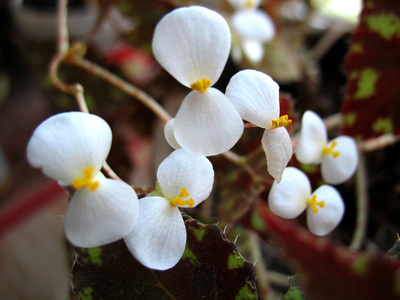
{"type": "Point", "coordinates": [249, 4]}
{"type": "Point", "coordinates": [86, 180]}
{"type": "Point", "coordinates": [281, 122]}
{"type": "Point", "coordinates": [329, 150]}
{"type": "Point", "coordinates": [201, 85]}
{"type": "Point", "coordinates": [180, 201]}
{"type": "Point", "coordinates": [313, 203]}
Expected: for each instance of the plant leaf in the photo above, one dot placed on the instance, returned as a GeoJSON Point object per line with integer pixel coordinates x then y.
{"type": "Point", "coordinates": [329, 272]}
{"type": "Point", "coordinates": [370, 108]}
{"type": "Point", "coordinates": [211, 268]}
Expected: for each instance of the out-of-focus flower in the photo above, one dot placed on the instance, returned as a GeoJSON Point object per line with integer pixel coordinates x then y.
{"type": "Point", "coordinates": [138, 66]}
{"type": "Point", "coordinates": [71, 148]}
{"type": "Point", "coordinates": [193, 44]}
{"type": "Point", "coordinates": [159, 238]}
{"type": "Point", "coordinates": [253, 26]}
{"type": "Point", "coordinates": [256, 97]}
{"type": "Point", "coordinates": [289, 198]}
{"type": "Point", "coordinates": [338, 158]}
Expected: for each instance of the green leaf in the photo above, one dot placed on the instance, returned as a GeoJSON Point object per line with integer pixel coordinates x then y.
{"type": "Point", "coordinates": [211, 268]}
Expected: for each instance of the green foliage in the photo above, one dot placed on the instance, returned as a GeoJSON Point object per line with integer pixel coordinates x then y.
{"type": "Point", "coordinates": [211, 268]}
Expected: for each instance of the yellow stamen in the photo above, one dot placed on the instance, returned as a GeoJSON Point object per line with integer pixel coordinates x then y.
{"type": "Point", "coordinates": [86, 181]}
{"type": "Point", "coordinates": [329, 150]}
{"type": "Point", "coordinates": [313, 203]}
{"type": "Point", "coordinates": [249, 3]}
{"type": "Point", "coordinates": [201, 85]}
{"type": "Point", "coordinates": [281, 122]}
{"type": "Point", "coordinates": [180, 201]}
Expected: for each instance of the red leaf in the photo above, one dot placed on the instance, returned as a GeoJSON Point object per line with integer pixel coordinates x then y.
{"type": "Point", "coordinates": [331, 272]}
{"type": "Point", "coordinates": [371, 105]}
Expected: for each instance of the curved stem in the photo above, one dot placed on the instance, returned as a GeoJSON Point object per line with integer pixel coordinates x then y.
{"type": "Point", "coordinates": [362, 205]}
{"type": "Point", "coordinates": [63, 48]}
{"type": "Point", "coordinates": [125, 86]}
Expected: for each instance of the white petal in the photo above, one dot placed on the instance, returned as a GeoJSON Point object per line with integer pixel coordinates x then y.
{"type": "Point", "coordinates": [312, 140]}
{"type": "Point", "coordinates": [338, 170]}
{"type": "Point", "coordinates": [185, 170]}
{"type": "Point", "coordinates": [103, 216]}
{"type": "Point", "coordinates": [170, 135]}
{"type": "Point", "coordinates": [328, 217]}
{"type": "Point", "coordinates": [278, 149]}
{"type": "Point", "coordinates": [254, 24]}
{"type": "Point", "coordinates": [192, 43]}
{"type": "Point", "coordinates": [207, 123]}
{"type": "Point", "coordinates": [255, 95]}
{"type": "Point", "coordinates": [159, 238]}
{"type": "Point", "coordinates": [67, 143]}
{"type": "Point", "coordinates": [288, 199]}
{"type": "Point", "coordinates": [254, 50]}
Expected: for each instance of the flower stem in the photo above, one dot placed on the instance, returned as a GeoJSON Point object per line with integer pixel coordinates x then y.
{"type": "Point", "coordinates": [262, 274]}
{"type": "Point", "coordinates": [362, 205]}
{"type": "Point", "coordinates": [125, 86]}
{"type": "Point", "coordinates": [241, 161]}
{"type": "Point", "coordinates": [378, 143]}
{"type": "Point", "coordinates": [63, 48]}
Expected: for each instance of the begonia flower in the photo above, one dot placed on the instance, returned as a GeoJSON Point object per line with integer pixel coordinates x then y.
{"type": "Point", "coordinates": [193, 44]}
{"type": "Point", "coordinates": [338, 158]}
{"type": "Point", "coordinates": [256, 97]}
{"type": "Point", "coordinates": [159, 238]}
{"type": "Point", "coordinates": [289, 198]}
{"type": "Point", "coordinates": [71, 148]}
{"type": "Point", "coordinates": [253, 26]}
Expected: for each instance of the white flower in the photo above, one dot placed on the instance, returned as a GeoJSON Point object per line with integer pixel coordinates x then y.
{"type": "Point", "coordinates": [256, 97]}
{"type": "Point", "coordinates": [193, 44]}
{"type": "Point", "coordinates": [245, 4]}
{"type": "Point", "coordinates": [71, 148]}
{"type": "Point", "coordinates": [159, 238]}
{"type": "Point", "coordinates": [338, 158]}
{"type": "Point", "coordinates": [288, 199]}
{"type": "Point", "coordinates": [253, 26]}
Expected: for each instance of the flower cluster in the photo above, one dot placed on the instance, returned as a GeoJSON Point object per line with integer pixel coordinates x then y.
{"type": "Point", "coordinates": [193, 45]}
{"type": "Point", "coordinates": [72, 147]}
{"type": "Point", "coordinates": [338, 159]}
